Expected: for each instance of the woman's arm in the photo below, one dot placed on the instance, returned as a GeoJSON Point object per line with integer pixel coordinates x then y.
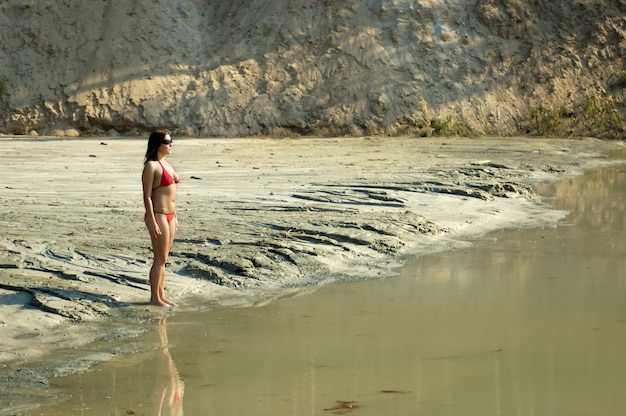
{"type": "Point", "coordinates": [147, 181]}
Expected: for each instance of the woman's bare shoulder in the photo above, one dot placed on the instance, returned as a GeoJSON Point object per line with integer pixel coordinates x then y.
{"type": "Point", "coordinates": [150, 165]}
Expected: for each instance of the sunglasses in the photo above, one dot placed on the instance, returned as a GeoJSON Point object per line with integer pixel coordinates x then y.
{"type": "Point", "coordinates": [167, 142]}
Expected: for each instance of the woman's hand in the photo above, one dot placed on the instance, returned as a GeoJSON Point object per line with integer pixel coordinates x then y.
{"type": "Point", "coordinates": [153, 228]}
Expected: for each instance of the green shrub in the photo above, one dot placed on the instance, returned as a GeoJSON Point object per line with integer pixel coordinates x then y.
{"type": "Point", "coordinates": [596, 115]}
{"type": "Point", "coordinates": [549, 120]}
{"type": "Point", "coordinates": [602, 114]}
{"type": "Point", "coordinates": [621, 78]}
{"type": "Point", "coordinates": [450, 126]}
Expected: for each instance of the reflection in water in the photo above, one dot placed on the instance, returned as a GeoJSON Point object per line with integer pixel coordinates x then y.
{"type": "Point", "coordinates": [526, 322]}
{"type": "Point", "coordinates": [169, 384]}
{"type": "Point", "coordinates": [605, 210]}
{"type": "Point", "coordinates": [147, 383]}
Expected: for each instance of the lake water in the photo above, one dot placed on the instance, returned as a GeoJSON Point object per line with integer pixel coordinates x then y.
{"type": "Point", "coordinates": [524, 322]}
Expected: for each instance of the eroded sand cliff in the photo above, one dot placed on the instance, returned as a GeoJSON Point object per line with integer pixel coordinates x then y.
{"type": "Point", "coordinates": [259, 67]}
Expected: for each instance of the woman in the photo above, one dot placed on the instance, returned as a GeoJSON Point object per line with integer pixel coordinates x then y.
{"type": "Point", "coordinates": [159, 181]}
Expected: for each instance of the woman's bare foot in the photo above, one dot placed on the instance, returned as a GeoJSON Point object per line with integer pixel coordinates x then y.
{"type": "Point", "coordinates": [169, 302]}
{"type": "Point", "coordinates": [159, 302]}
{"type": "Point", "coordinates": [166, 300]}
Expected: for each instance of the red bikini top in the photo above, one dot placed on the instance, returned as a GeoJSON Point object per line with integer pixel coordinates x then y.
{"type": "Point", "coordinates": [166, 178]}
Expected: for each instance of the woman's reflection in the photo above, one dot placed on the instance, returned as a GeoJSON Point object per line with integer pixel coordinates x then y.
{"type": "Point", "coordinates": [169, 385]}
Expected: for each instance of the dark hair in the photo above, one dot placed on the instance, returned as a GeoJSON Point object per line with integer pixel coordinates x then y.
{"type": "Point", "coordinates": [155, 140]}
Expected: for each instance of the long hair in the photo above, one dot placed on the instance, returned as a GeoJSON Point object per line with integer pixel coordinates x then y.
{"type": "Point", "coordinates": [155, 140]}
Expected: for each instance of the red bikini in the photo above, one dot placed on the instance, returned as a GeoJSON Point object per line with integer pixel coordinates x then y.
{"type": "Point", "coordinates": [166, 180]}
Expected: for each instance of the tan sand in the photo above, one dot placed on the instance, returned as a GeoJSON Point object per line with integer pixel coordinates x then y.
{"type": "Point", "coordinates": [258, 217]}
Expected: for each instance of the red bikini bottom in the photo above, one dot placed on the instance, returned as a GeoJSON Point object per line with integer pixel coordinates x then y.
{"type": "Point", "coordinates": [168, 217]}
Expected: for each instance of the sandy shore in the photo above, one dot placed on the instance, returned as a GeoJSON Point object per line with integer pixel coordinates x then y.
{"type": "Point", "coordinates": [258, 217]}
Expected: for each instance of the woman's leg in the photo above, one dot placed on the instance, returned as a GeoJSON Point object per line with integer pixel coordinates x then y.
{"type": "Point", "coordinates": [171, 234]}
{"type": "Point", "coordinates": [160, 247]}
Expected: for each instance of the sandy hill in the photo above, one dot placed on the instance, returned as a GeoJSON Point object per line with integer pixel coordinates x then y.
{"type": "Point", "coordinates": [324, 67]}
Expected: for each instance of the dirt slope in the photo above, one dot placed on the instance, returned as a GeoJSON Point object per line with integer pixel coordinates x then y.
{"type": "Point", "coordinates": [278, 67]}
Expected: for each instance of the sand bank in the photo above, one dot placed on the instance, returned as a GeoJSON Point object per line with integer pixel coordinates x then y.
{"type": "Point", "coordinates": [329, 68]}
{"type": "Point", "coordinates": [258, 217]}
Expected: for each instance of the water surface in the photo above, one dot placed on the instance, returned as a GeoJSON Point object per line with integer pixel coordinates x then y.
{"type": "Point", "coordinates": [524, 322]}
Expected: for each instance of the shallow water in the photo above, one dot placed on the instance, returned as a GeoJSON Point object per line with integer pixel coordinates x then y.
{"type": "Point", "coordinates": [524, 322]}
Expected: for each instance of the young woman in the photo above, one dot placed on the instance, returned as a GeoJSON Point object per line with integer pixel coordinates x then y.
{"type": "Point", "coordinates": [159, 181]}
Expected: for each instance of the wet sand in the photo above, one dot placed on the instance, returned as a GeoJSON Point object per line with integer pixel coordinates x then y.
{"type": "Point", "coordinates": [525, 321]}
{"type": "Point", "coordinates": [260, 218]}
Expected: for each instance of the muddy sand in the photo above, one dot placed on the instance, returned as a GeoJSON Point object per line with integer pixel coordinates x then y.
{"type": "Point", "coordinates": [259, 218]}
